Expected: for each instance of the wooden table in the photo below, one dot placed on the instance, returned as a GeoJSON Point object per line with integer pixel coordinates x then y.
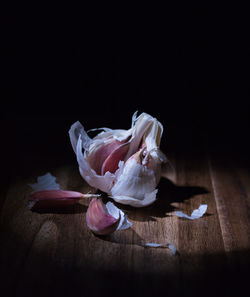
{"type": "Point", "coordinates": [55, 254]}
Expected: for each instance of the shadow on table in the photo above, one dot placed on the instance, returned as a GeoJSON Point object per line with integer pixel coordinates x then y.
{"type": "Point", "coordinates": [72, 209]}
{"type": "Point", "coordinates": [168, 194]}
{"type": "Point", "coordinates": [129, 236]}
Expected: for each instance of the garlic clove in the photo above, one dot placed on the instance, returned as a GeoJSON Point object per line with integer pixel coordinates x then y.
{"type": "Point", "coordinates": [112, 161]}
{"type": "Point", "coordinates": [104, 219]}
{"type": "Point", "coordinates": [99, 220]}
{"type": "Point", "coordinates": [99, 155]}
{"type": "Point", "coordinates": [45, 199]}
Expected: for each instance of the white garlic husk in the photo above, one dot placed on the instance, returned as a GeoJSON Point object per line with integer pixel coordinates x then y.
{"type": "Point", "coordinates": [126, 164]}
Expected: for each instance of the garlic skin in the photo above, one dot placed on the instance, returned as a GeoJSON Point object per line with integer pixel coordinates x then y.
{"type": "Point", "coordinates": [126, 164]}
{"type": "Point", "coordinates": [135, 185]}
{"type": "Point", "coordinates": [105, 219]}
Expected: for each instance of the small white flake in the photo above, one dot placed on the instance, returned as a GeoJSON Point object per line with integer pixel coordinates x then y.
{"type": "Point", "coordinates": [158, 245]}
{"type": "Point", "coordinates": [45, 182]}
{"type": "Point", "coordinates": [196, 214]}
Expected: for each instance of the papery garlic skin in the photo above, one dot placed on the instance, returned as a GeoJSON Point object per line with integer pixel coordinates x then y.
{"type": "Point", "coordinates": [126, 164]}
{"type": "Point", "coordinates": [135, 185]}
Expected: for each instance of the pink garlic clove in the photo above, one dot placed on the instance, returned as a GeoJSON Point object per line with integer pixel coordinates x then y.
{"type": "Point", "coordinates": [97, 158]}
{"type": "Point", "coordinates": [55, 199]}
{"type": "Point", "coordinates": [99, 220]}
{"type": "Point", "coordinates": [112, 161]}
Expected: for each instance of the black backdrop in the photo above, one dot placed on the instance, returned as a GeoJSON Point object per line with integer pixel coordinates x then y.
{"type": "Point", "coordinates": [186, 64]}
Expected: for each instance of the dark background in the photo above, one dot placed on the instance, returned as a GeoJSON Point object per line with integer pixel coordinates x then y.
{"type": "Point", "coordinates": [185, 63]}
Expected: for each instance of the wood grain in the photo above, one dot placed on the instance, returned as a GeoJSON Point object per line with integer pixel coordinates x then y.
{"type": "Point", "coordinates": [232, 201]}
{"type": "Point", "coordinates": [55, 254]}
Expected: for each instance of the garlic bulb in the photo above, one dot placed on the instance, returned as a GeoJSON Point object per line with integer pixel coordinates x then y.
{"type": "Point", "coordinates": [126, 164]}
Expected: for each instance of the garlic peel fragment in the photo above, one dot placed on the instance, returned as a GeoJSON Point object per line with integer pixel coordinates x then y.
{"type": "Point", "coordinates": [161, 245]}
{"type": "Point", "coordinates": [45, 182]}
{"type": "Point", "coordinates": [196, 214]}
{"type": "Point", "coordinates": [124, 223]}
